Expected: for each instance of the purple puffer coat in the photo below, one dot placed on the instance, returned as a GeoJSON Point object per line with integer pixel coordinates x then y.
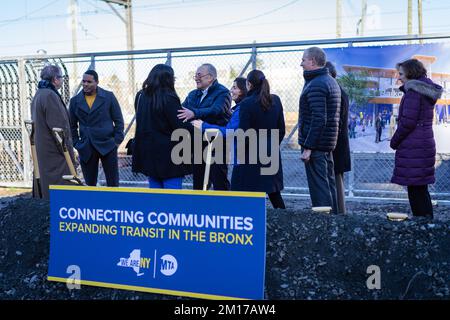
{"type": "Point", "coordinates": [413, 139]}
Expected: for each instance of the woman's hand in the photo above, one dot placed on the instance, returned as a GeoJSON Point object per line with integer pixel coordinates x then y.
{"type": "Point", "coordinates": [197, 124]}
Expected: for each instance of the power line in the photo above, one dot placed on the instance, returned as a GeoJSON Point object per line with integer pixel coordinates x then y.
{"type": "Point", "coordinates": [92, 3]}
{"type": "Point", "coordinates": [104, 11]}
{"type": "Point", "coordinates": [6, 22]}
{"type": "Point", "coordinates": [220, 25]}
{"type": "Point", "coordinates": [279, 22]}
{"type": "Point", "coordinates": [101, 11]}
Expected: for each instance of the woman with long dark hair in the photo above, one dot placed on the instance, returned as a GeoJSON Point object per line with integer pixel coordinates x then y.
{"type": "Point", "coordinates": [262, 112]}
{"type": "Point", "coordinates": [413, 141]}
{"type": "Point", "coordinates": [156, 118]}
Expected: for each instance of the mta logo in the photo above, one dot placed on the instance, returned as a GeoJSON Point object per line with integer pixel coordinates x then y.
{"type": "Point", "coordinates": [169, 265]}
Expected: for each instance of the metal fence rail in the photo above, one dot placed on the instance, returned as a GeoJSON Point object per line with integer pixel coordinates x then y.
{"type": "Point", "coordinates": [124, 72]}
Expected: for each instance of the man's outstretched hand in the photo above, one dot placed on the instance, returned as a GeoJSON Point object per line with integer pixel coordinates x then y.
{"type": "Point", "coordinates": [185, 114]}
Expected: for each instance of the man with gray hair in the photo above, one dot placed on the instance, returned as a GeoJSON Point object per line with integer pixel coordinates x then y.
{"type": "Point", "coordinates": [49, 111]}
{"type": "Point", "coordinates": [319, 110]}
{"type": "Point", "coordinates": [210, 102]}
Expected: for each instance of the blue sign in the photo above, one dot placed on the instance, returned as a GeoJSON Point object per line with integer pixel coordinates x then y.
{"type": "Point", "coordinates": [179, 242]}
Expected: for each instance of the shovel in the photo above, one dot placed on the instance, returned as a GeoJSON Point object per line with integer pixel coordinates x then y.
{"type": "Point", "coordinates": [395, 216]}
{"type": "Point", "coordinates": [61, 138]}
{"type": "Point", "coordinates": [326, 210]}
{"type": "Point", "coordinates": [29, 126]}
{"type": "Point", "coordinates": [210, 135]}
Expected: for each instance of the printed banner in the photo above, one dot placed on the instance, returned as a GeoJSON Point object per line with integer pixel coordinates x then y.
{"type": "Point", "coordinates": [178, 242]}
{"type": "Point", "coordinates": [377, 66]}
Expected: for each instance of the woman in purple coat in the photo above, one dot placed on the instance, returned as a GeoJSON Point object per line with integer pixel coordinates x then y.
{"type": "Point", "coordinates": [413, 140]}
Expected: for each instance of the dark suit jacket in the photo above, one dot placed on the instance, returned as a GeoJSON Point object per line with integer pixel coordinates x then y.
{"type": "Point", "coordinates": [215, 108]}
{"type": "Point", "coordinates": [100, 127]}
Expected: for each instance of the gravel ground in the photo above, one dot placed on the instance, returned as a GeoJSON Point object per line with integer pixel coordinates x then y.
{"type": "Point", "coordinates": [8, 195]}
{"type": "Point", "coordinates": [309, 256]}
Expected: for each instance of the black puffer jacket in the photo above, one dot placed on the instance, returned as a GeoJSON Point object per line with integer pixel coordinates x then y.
{"type": "Point", "coordinates": [319, 111]}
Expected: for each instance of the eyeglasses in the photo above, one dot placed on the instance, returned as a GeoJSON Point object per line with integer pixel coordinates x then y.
{"type": "Point", "coordinates": [199, 76]}
{"type": "Point", "coordinates": [59, 77]}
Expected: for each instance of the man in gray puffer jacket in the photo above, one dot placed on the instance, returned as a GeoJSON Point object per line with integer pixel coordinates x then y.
{"type": "Point", "coordinates": [319, 110]}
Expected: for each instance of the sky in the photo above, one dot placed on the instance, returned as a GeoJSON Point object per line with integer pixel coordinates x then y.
{"type": "Point", "coordinates": [31, 25]}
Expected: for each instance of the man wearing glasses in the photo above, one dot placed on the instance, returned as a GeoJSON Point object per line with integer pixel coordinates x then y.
{"type": "Point", "coordinates": [49, 111]}
{"type": "Point", "coordinates": [97, 130]}
{"type": "Point", "coordinates": [211, 103]}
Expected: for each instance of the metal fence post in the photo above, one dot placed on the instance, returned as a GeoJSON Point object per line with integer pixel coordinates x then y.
{"type": "Point", "coordinates": [169, 59]}
{"type": "Point", "coordinates": [25, 114]}
{"type": "Point", "coordinates": [351, 176]}
{"type": "Point", "coordinates": [92, 66]}
{"type": "Point", "coordinates": [254, 56]}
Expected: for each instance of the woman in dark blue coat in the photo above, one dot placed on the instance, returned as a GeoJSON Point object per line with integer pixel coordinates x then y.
{"type": "Point", "coordinates": [157, 106]}
{"type": "Point", "coordinates": [260, 110]}
{"type": "Point", "coordinates": [238, 93]}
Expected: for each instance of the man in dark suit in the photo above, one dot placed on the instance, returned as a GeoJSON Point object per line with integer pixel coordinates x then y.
{"type": "Point", "coordinates": [210, 102]}
{"type": "Point", "coordinates": [97, 130]}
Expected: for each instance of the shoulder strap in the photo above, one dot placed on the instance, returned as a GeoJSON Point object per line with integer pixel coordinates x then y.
{"type": "Point", "coordinates": [137, 105]}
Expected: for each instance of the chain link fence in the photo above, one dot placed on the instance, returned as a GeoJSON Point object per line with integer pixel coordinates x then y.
{"type": "Point", "coordinates": [124, 72]}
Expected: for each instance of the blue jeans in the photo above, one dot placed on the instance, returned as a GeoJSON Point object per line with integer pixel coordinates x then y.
{"type": "Point", "coordinates": [172, 183]}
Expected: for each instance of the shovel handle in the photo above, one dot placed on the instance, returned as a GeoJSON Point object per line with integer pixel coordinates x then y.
{"type": "Point", "coordinates": [59, 135]}
{"type": "Point", "coordinates": [214, 134]}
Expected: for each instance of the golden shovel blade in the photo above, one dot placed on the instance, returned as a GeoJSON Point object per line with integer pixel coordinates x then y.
{"type": "Point", "coordinates": [396, 216]}
{"type": "Point", "coordinates": [321, 209]}
{"type": "Point", "coordinates": [72, 178]}
{"type": "Point", "coordinates": [68, 177]}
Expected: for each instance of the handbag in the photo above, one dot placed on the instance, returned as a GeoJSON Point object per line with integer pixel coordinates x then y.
{"type": "Point", "coordinates": [130, 144]}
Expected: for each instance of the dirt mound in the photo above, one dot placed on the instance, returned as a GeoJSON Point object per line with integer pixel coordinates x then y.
{"type": "Point", "coordinates": [309, 256]}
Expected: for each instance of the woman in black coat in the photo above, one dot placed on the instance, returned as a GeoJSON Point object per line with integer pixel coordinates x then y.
{"type": "Point", "coordinates": [341, 154]}
{"type": "Point", "coordinates": [156, 118]}
{"type": "Point", "coordinates": [260, 110]}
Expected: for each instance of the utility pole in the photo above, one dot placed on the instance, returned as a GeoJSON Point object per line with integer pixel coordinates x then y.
{"type": "Point", "coordinates": [363, 16]}
{"type": "Point", "coordinates": [410, 19]}
{"type": "Point", "coordinates": [74, 14]}
{"type": "Point", "coordinates": [362, 22]}
{"type": "Point", "coordinates": [338, 18]}
{"type": "Point", "coordinates": [419, 12]}
{"type": "Point", "coordinates": [128, 20]}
